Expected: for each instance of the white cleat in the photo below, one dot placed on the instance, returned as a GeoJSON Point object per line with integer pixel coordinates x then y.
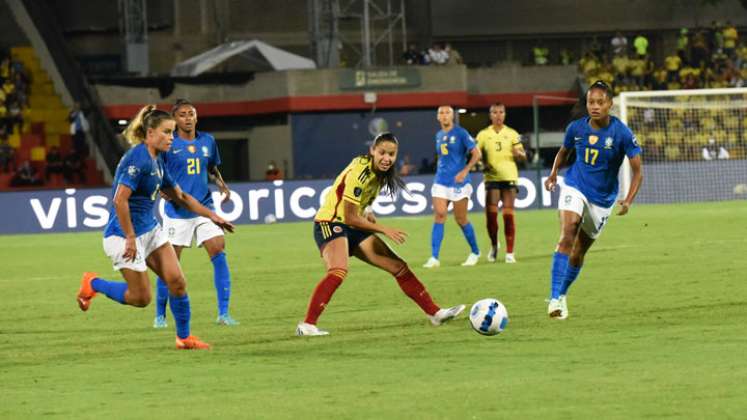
{"type": "Point", "coordinates": [493, 254]}
{"type": "Point", "coordinates": [510, 259]}
{"type": "Point", "coordinates": [432, 263]}
{"type": "Point", "coordinates": [445, 315]}
{"type": "Point", "coordinates": [554, 309]}
{"type": "Point", "coordinates": [304, 329]}
{"type": "Point", "coordinates": [471, 260]}
{"type": "Point", "coordinates": [563, 307]}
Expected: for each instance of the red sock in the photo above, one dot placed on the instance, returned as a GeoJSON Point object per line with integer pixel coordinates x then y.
{"type": "Point", "coordinates": [323, 293]}
{"type": "Point", "coordinates": [510, 231]}
{"type": "Point", "coordinates": [492, 222]}
{"type": "Point", "coordinates": [416, 291]}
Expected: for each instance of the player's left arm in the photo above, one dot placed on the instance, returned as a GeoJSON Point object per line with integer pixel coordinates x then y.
{"type": "Point", "coordinates": [475, 156]}
{"type": "Point", "coordinates": [220, 183]}
{"type": "Point", "coordinates": [636, 168]}
{"type": "Point", "coordinates": [185, 200]}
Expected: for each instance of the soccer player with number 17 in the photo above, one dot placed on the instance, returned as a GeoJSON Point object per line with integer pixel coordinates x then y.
{"type": "Point", "coordinates": [601, 143]}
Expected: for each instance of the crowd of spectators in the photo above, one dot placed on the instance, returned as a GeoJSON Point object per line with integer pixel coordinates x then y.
{"type": "Point", "coordinates": [14, 93]}
{"type": "Point", "coordinates": [439, 54]}
{"type": "Point", "coordinates": [703, 58]}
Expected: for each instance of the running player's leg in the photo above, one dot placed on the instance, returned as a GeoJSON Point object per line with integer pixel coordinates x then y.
{"type": "Point", "coordinates": [570, 223]}
{"type": "Point", "coordinates": [440, 211]}
{"type": "Point", "coordinates": [215, 248]}
{"type": "Point", "coordinates": [576, 261]}
{"type": "Point", "coordinates": [335, 256]}
{"type": "Point", "coordinates": [460, 215]}
{"type": "Point", "coordinates": [134, 291]}
{"type": "Point", "coordinates": [492, 196]}
{"type": "Point", "coordinates": [162, 296]}
{"type": "Point", "coordinates": [376, 252]}
{"type": "Point", "coordinates": [163, 261]}
{"type": "Point", "coordinates": [508, 196]}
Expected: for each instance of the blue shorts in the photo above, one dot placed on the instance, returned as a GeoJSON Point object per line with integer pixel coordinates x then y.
{"type": "Point", "coordinates": [327, 231]}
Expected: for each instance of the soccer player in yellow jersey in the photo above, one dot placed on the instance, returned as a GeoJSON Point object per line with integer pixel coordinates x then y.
{"type": "Point", "coordinates": [501, 148]}
{"type": "Point", "coordinates": [343, 228]}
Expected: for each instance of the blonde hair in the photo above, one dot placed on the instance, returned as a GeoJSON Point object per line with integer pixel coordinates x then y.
{"type": "Point", "coordinates": [147, 117]}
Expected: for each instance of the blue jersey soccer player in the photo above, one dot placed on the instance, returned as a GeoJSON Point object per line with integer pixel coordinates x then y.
{"type": "Point", "coordinates": [133, 239]}
{"type": "Point", "coordinates": [457, 155]}
{"type": "Point", "coordinates": [342, 228]}
{"type": "Point", "coordinates": [193, 156]}
{"type": "Point", "coordinates": [601, 143]}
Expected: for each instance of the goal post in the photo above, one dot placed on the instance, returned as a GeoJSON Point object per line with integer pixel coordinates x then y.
{"type": "Point", "coordinates": [694, 144]}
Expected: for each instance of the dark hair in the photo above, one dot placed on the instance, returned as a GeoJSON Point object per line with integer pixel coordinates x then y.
{"type": "Point", "coordinates": [498, 104]}
{"type": "Point", "coordinates": [147, 117]}
{"type": "Point", "coordinates": [180, 103]}
{"type": "Point", "coordinates": [601, 85]}
{"type": "Point", "coordinates": [390, 178]}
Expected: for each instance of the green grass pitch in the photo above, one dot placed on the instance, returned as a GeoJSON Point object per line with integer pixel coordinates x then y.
{"type": "Point", "coordinates": [657, 329]}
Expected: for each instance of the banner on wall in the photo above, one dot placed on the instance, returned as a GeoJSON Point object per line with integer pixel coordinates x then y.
{"type": "Point", "coordinates": [72, 210]}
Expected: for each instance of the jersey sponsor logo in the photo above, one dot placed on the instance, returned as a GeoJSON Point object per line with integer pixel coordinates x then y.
{"type": "Point", "coordinates": [357, 191]}
{"type": "Point", "coordinates": [608, 142]}
{"type": "Point", "coordinates": [593, 140]}
{"type": "Point", "coordinates": [337, 229]}
{"type": "Point", "coordinates": [205, 151]}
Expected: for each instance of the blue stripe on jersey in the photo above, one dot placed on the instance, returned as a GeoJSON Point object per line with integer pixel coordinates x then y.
{"type": "Point", "coordinates": [145, 176]}
{"type": "Point", "coordinates": [188, 162]}
{"type": "Point", "coordinates": [453, 149]}
{"type": "Point", "coordinates": [599, 154]}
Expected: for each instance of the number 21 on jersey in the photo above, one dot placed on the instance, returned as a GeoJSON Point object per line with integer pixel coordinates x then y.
{"type": "Point", "coordinates": [193, 166]}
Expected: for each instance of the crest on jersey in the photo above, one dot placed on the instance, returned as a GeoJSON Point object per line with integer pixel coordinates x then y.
{"type": "Point", "coordinates": [132, 171]}
{"type": "Point", "coordinates": [608, 142]}
{"type": "Point", "coordinates": [205, 151]}
{"type": "Point", "coordinates": [357, 191]}
{"type": "Point", "coordinates": [191, 148]}
{"type": "Point", "coordinates": [593, 140]}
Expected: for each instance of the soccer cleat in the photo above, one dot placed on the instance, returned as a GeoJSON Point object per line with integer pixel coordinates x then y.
{"type": "Point", "coordinates": [305, 329]}
{"type": "Point", "coordinates": [432, 263]}
{"type": "Point", "coordinates": [86, 292]}
{"type": "Point", "coordinates": [191, 343]}
{"type": "Point", "coordinates": [510, 259]}
{"type": "Point", "coordinates": [445, 315]}
{"type": "Point", "coordinates": [226, 320]}
{"type": "Point", "coordinates": [160, 322]}
{"type": "Point", "coordinates": [492, 254]}
{"type": "Point", "coordinates": [563, 307]}
{"type": "Point", "coordinates": [471, 260]}
{"type": "Point", "coordinates": [554, 309]}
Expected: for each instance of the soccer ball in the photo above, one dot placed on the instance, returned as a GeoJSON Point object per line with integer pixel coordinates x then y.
{"type": "Point", "coordinates": [270, 219]}
{"type": "Point", "coordinates": [488, 316]}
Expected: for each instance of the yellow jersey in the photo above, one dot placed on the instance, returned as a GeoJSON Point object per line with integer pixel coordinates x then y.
{"type": "Point", "coordinates": [357, 183]}
{"type": "Point", "coordinates": [497, 153]}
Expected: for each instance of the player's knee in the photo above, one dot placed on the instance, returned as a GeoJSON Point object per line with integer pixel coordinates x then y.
{"type": "Point", "coordinates": [439, 216]}
{"type": "Point", "coordinates": [339, 272]}
{"type": "Point", "coordinates": [461, 219]}
{"type": "Point", "coordinates": [177, 285]}
{"type": "Point", "coordinates": [141, 299]}
{"type": "Point", "coordinates": [491, 208]}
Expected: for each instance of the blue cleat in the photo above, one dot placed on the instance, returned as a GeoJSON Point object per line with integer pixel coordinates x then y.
{"type": "Point", "coordinates": [160, 322]}
{"type": "Point", "coordinates": [226, 320]}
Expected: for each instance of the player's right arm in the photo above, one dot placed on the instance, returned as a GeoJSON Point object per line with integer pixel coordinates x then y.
{"type": "Point", "coordinates": [560, 158]}
{"type": "Point", "coordinates": [353, 218]}
{"type": "Point", "coordinates": [121, 202]}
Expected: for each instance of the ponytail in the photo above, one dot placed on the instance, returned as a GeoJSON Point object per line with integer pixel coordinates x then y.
{"type": "Point", "coordinates": [147, 117]}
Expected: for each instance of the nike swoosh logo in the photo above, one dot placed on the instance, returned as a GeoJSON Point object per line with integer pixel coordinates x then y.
{"type": "Point", "coordinates": [575, 138]}
{"type": "Point", "coordinates": [176, 151]}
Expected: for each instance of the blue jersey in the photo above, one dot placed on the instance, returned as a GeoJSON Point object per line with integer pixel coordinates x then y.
{"type": "Point", "coordinates": [599, 154]}
{"type": "Point", "coordinates": [145, 175]}
{"type": "Point", "coordinates": [453, 148]}
{"type": "Point", "coordinates": [188, 162]}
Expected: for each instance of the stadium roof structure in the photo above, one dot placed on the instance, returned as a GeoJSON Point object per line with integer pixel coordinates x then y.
{"type": "Point", "coordinates": [264, 55]}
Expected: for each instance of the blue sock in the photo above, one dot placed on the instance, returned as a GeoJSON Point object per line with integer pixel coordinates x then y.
{"type": "Point", "coordinates": [469, 234]}
{"type": "Point", "coordinates": [559, 264]}
{"type": "Point", "coordinates": [222, 280]}
{"type": "Point", "coordinates": [571, 273]}
{"type": "Point", "coordinates": [114, 290]}
{"type": "Point", "coordinates": [180, 309]}
{"type": "Point", "coordinates": [437, 235]}
{"type": "Point", "coordinates": [162, 297]}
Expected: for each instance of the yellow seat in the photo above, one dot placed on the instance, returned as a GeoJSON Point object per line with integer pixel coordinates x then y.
{"type": "Point", "coordinates": [38, 154]}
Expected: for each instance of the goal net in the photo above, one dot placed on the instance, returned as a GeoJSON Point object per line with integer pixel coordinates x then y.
{"type": "Point", "coordinates": [694, 143]}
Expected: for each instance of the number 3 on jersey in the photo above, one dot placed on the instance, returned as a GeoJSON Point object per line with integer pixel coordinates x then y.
{"type": "Point", "coordinates": [193, 166]}
{"type": "Point", "coordinates": [591, 156]}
